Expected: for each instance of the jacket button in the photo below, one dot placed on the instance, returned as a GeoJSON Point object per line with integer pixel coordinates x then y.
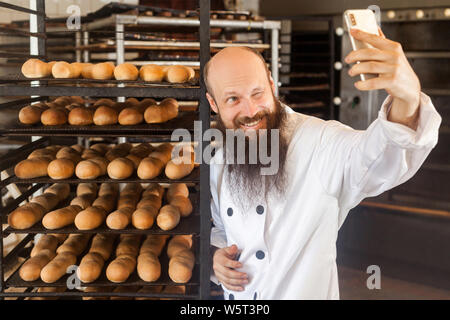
{"type": "Point", "coordinates": [231, 296]}
{"type": "Point", "coordinates": [260, 254]}
{"type": "Point", "coordinates": [254, 296]}
{"type": "Point", "coordinates": [230, 212]}
{"type": "Point", "coordinates": [260, 209]}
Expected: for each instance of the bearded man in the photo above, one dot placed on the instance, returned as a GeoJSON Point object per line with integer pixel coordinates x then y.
{"type": "Point", "coordinates": [274, 236]}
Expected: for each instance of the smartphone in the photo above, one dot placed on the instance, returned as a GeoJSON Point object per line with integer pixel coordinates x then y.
{"type": "Point", "coordinates": [364, 20]}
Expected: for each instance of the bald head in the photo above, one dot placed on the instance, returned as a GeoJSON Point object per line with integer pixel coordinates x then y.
{"type": "Point", "coordinates": [231, 61]}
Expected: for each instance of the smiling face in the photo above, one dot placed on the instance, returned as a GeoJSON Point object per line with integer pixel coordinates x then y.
{"type": "Point", "coordinates": [240, 89]}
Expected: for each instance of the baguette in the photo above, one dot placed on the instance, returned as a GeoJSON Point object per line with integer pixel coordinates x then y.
{"type": "Point", "coordinates": [165, 111]}
{"type": "Point", "coordinates": [90, 267]}
{"type": "Point", "coordinates": [148, 267]}
{"type": "Point", "coordinates": [64, 70]}
{"type": "Point", "coordinates": [31, 269]}
{"type": "Point", "coordinates": [32, 168]}
{"type": "Point", "coordinates": [84, 201]}
{"type": "Point", "coordinates": [181, 265]}
{"type": "Point", "coordinates": [179, 168]}
{"type": "Point", "coordinates": [150, 168]}
{"type": "Point", "coordinates": [120, 268]}
{"type": "Point", "coordinates": [130, 116]}
{"type": "Point", "coordinates": [177, 189]}
{"type": "Point", "coordinates": [120, 218]}
{"type": "Point", "coordinates": [47, 200]}
{"type": "Point", "coordinates": [126, 71]}
{"type": "Point", "coordinates": [35, 68]}
{"type": "Point", "coordinates": [105, 116]}
{"type": "Point", "coordinates": [26, 216]}
{"type": "Point", "coordinates": [89, 188]}
{"type": "Point", "coordinates": [62, 190]}
{"type": "Point", "coordinates": [183, 204]}
{"type": "Point", "coordinates": [46, 242]}
{"type": "Point", "coordinates": [102, 71]}
{"type": "Point", "coordinates": [103, 245]}
{"type": "Point", "coordinates": [120, 168]}
{"type": "Point", "coordinates": [168, 217]}
{"type": "Point", "coordinates": [81, 116]}
{"type": "Point", "coordinates": [143, 218]}
{"type": "Point", "coordinates": [56, 268]}
{"type": "Point", "coordinates": [90, 218]}
{"type": "Point", "coordinates": [153, 244]}
{"type": "Point", "coordinates": [128, 245]}
{"type": "Point", "coordinates": [177, 74]}
{"type": "Point", "coordinates": [179, 243]}
{"type": "Point", "coordinates": [61, 217]}
{"type": "Point", "coordinates": [74, 244]}
{"type": "Point", "coordinates": [61, 169]}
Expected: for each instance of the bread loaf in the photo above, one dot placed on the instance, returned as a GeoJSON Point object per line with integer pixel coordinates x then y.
{"type": "Point", "coordinates": [148, 267]}
{"type": "Point", "coordinates": [102, 71]}
{"type": "Point", "coordinates": [150, 200]}
{"type": "Point", "coordinates": [150, 168]}
{"type": "Point", "coordinates": [120, 168]}
{"type": "Point", "coordinates": [90, 267]}
{"type": "Point", "coordinates": [61, 190]}
{"type": "Point", "coordinates": [130, 116]}
{"type": "Point", "coordinates": [165, 111]}
{"type": "Point", "coordinates": [128, 245]}
{"type": "Point", "coordinates": [168, 217]}
{"type": "Point", "coordinates": [179, 243]}
{"type": "Point", "coordinates": [47, 200]}
{"type": "Point", "coordinates": [143, 218]}
{"type": "Point", "coordinates": [61, 169]}
{"type": "Point", "coordinates": [32, 168]}
{"type": "Point", "coordinates": [81, 116]}
{"type": "Point", "coordinates": [153, 244]}
{"type": "Point", "coordinates": [101, 148]}
{"type": "Point", "coordinates": [35, 68]}
{"type": "Point", "coordinates": [183, 204]}
{"type": "Point", "coordinates": [120, 218]}
{"type": "Point", "coordinates": [105, 116]}
{"type": "Point", "coordinates": [177, 74]}
{"type": "Point", "coordinates": [86, 71]}
{"type": "Point", "coordinates": [84, 201]}
{"type": "Point", "coordinates": [90, 218]}
{"type": "Point", "coordinates": [103, 245]}
{"type": "Point", "coordinates": [163, 152]}
{"type": "Point", "coordinates": [61, 217]}
{"type": "Point", "coordinates": [108, 189]}
{"type": "Point", "coordinates": [152, 73]}
{"type": "Point", "coordinates": [126, 71]}
{"type": "Point", "coordinates": [31, 269]}
{"type": "Point", "coordinates": [177, 189]}
{"type": "Point", "coordinates": [64, 70]}
{"type": "Point", "coordinates": [87, 169]}
{"type": "Point", "coordinates": [30, 114]}
{"type": "Point", "coordinates": [74, 244]}
{"type": "Point", "coordinates": [181, 265]}
{"type": "Point", "coordinates": [102, 164]}
{"type": "Point", "coordinates": [56, 268]}
{"type": "Point", "coordinates": [120, 268]}
{"type": "Point", "coordinates": [179, 168]}
{"type": "Point", "coordinates": [45, 242]}
{"type": "Point", "coordinates": [107, 202]}
{"type": "Point", "coordinates": [87, 188]}
{"type": "Point", "coordinates": [26, 216]}
{"type": "Point", "coordinates": [54, 117]}
{"type": "Point", "coordinates": [104, 102]}
{"type": "Point", "coordinates": [60, 236]}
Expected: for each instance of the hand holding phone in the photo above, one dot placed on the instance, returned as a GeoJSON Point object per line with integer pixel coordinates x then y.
{"type": "Point", "coordinates": [363, 20]}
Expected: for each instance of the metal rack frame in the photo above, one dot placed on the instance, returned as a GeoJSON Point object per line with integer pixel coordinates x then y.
{"type": "Point", "coordinates": [50, 87]}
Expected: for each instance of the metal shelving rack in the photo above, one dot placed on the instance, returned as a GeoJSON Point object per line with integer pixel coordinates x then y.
{"type": "Point", "coordinates": [198, 223]}
{"type": "Point", "coordinates": [120, 21]}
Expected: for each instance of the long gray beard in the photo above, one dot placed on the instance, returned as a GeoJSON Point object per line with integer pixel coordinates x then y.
{"type": "Point", "coordinates": [246, 185]}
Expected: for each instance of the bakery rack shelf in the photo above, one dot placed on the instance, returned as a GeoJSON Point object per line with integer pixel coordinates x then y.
{"type": "Point", "coordinates": [184, 120]}
{"type": "Point", "coordinates": [26, 91]}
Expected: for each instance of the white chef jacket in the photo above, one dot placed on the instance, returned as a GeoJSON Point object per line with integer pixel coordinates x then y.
{"type": "Point", "coordinates": [288, 247]}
